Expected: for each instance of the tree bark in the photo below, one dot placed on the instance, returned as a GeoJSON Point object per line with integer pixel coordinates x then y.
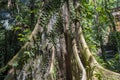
{"type": "Point", "coordinates": [79, 62]}
{"type": "Point", "coordinates": [66, 15]}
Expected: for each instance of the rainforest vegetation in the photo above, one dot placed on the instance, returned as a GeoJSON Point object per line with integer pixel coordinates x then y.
{"type": "Point", "coordinates": [59, 39]}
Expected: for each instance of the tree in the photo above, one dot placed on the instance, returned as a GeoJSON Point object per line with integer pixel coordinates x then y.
{"type": "Point", "coordinates": [58, 43]}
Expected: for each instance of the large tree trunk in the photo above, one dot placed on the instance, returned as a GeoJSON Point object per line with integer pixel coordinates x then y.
{"type": "Point", "coordinates": [68, 41]}
{"type": "Point", "coordinates": [74, 47]}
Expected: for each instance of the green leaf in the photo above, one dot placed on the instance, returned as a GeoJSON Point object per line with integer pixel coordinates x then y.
{"type": "Point", "coordinates": [99, 9]}
{"type": "Point", "coordinates": [15, 64]}
{"type": "Point", "coordinates": [21, 35]}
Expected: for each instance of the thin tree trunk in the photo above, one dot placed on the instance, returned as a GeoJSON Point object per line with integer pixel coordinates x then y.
{"type": "Point", "coordinates": [32, 16]}
{"type": "Point", "coordinates": [6, 48]}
